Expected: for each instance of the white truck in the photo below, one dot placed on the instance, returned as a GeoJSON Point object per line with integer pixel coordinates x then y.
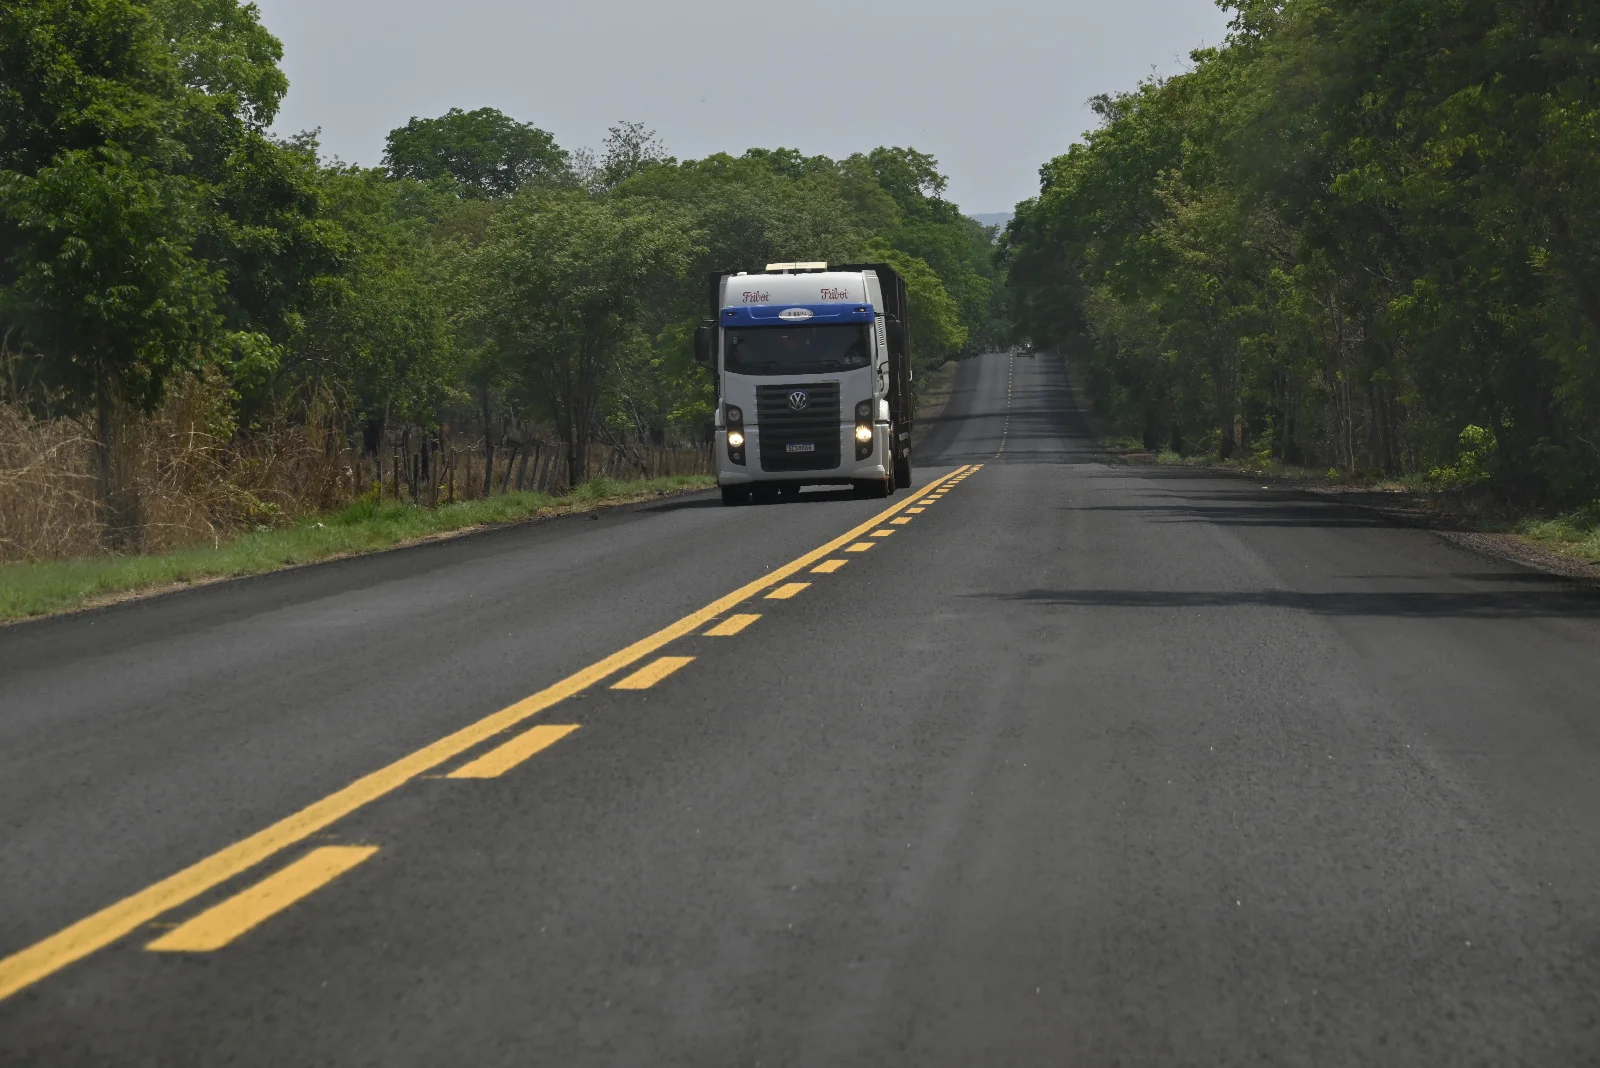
{"type": "Point", "coordinates": [813, 379]}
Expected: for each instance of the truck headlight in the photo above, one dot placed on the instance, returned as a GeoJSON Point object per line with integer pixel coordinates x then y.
{"type": "Point", "coordinates": [864, 411]}
{"type": "Point", "coordinates": [863, 433]}
{"type": "Point", "coordinates": [734, 414]}
{"type": "Point", "coordinates": [735, 439]}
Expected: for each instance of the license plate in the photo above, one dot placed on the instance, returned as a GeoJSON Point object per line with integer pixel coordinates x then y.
{"type": "Point", "coordinates": [801, 446]}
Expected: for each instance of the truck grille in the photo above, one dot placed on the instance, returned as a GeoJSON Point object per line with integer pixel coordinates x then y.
{"type": "Point", "coordinates": [816, 425]}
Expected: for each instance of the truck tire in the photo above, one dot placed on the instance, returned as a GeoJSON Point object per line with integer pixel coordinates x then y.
{"type": "Point", "coordinates": [732, 495]}
{"type": "Point", "coordinates": [902, 471]}
{"type": "Point", "coordinates": [876, 488]}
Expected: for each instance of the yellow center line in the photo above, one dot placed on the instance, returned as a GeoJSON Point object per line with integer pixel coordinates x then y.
{"type": "Point", "coordinates": [502, 758]}
{"type": "Point", "coordinates": [787, 590]}
{"type": "Point", "coordinates": [731, 626]}
{"type": "Point", "coordinates": [652, 673]}
{"type": "Point", "coordinates": [222, 923]}
{"type": "Point", "coordinates": [859, 547]}
{"type": "Point", "coordinates": [828, 567]}
{"type": "Point", "coordinates": [881, 533]}
{"type": "Point", "coordinates": [900, 521]}
{"type": "Point", "coordinates": [98, 930]}
{"type": "Point", "coordinates": [914, 511]}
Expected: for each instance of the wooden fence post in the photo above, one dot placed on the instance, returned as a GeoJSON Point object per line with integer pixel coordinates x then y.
{"type": "Point", "coordinates": [522, 466]}
{"type": "Point", "coordinates": [433, 474]}
{"type": "Point", "coordinates": [505, 483]}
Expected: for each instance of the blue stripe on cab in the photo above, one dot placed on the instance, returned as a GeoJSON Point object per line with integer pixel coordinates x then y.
{"type": "Point", "coordinates": [773, 314]}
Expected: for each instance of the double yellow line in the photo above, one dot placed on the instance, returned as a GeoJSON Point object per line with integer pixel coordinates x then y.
{"type": "Point", "coordinates": [95, 932]}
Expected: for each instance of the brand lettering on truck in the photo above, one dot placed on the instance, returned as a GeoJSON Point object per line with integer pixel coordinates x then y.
{"type": "Point", "coordinates": [835, 294]}
{"type": "Point", "coordinates": [755, 296]}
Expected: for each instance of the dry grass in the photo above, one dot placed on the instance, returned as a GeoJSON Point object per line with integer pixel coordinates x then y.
{"type": "Point", "coordinates": [47, 490]}
{"type": "Point", "coordinates": [187, 479]}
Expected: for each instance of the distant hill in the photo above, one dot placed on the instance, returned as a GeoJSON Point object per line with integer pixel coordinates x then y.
{"type": "Point", "coordinates": [993, 218]}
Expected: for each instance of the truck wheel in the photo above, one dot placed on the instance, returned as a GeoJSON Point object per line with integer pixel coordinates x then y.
{"type": "Point", "coordinates": [876, 488]}
{"type": "Point", "coordinates": [732, 495]}
{"type": "Point", "coordinates": [902, 472]}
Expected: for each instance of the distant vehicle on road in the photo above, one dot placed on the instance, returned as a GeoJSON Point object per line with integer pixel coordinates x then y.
{"type": "Point", "coordinates": [813, 375]}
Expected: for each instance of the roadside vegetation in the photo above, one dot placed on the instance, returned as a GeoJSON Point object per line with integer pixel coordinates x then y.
{"type": "Point", "coordinates": [1470, 505]}
{"type": "Point", "coordinates": [1361, 239]}
{"type": "Point", "coordinates": [366, 525]}
{"type": "Point", "coordinates": [206, 329]}
{"type": "Point", "coordinates": [1576, 534]}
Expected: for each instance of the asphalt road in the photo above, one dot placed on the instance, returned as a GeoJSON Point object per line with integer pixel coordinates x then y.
{"type": "Point", "coordinates": [1082, 764]}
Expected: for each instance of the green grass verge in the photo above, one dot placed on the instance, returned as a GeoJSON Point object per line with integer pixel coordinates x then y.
{"type": "Point", "coordinates": [33, 589]}
{"type": "Point", "coordinates": [1576, 534]}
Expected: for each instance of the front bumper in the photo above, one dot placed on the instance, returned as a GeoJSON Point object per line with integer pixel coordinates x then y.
{"type": "Point", "coordinates": [874, 467]}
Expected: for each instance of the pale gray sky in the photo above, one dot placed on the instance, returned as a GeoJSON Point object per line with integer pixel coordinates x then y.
{"type": "Point", "coordinates": [993, 89]}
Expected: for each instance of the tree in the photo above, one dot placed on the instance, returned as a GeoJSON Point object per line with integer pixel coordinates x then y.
{"type": "Point", "coordinates": [1350, 235]}
{"type": "Point", "coordinates": [486, 152]}
{"type": "Point", "coordinates": [377, 335]}
{"type": "Point", "coordinates": [130, 141]}
{"type": "Point", "coordinates": [629, 149]}
{"type": "Point", "coordinates": [573, 286]}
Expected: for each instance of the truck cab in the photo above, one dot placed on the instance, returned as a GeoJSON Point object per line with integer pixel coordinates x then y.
{"type": "Point", "coordinates": [813, 379]}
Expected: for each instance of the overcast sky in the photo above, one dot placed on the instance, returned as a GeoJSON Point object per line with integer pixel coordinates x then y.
{"type": "Point", "coordinates": [993, 89]}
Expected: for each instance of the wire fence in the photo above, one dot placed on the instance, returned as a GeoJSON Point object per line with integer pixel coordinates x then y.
{"type": "Point", "coordinates": [183, 484]}
{"type": "Point", "coordinates": [434, 471]}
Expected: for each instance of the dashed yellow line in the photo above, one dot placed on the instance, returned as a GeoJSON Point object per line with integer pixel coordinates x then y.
{"type": "Point", "coordinates": [652, 673]}
{"type": "Point", "coordinates": [828, 567]}
{"type": "Point", "coordinates": [221, 924]}
{"type": "Point", "coordinates": [100, 929]}
{"type": "Point", "coordinates": [731, 626]}
{"type": "Point", "coordinates": [859, 547]}
{"type": "Point", "coordinates": [882, 533]}
{"type": "Point", "coordinates": [1005, 429]}
{"type": "Point", "coordinates": [502, 758]}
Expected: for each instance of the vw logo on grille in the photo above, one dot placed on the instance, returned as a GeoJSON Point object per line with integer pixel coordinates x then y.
{"type": "Point", "coordinates": [798, 400]}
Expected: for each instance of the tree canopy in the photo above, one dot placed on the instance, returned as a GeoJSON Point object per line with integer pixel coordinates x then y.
{"type": "Point", "coordinates": [485, 279]}
{"type": "Point", "coordinates": [486, 152]}
{"type": "Point", "coordinates": [1359, 234]}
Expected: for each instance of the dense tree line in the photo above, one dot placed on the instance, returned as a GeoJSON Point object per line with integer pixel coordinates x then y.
{"type": "Point", "coordinates": [1362, 234]}
{"type": "Point", "coordinates": [153, 231]}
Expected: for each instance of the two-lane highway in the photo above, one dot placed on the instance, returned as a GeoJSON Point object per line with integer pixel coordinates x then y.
{"type": "Point", "coordinates": [1047, 761]}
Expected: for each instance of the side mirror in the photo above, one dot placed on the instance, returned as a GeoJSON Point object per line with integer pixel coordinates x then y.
{"type": "Point", "coordinates": [896, 331]}
{"type": "Point", "coordinates": [705, 342]}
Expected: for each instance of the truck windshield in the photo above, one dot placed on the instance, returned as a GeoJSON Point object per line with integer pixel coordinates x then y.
{"type": "Point", "coordinates": [788, 350]}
